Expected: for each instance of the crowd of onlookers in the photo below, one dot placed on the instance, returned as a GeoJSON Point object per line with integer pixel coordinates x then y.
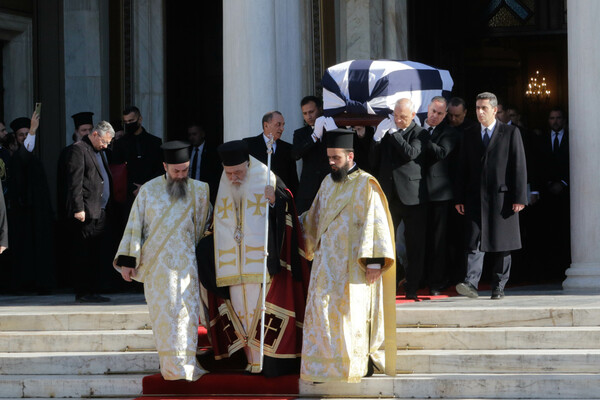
{"type": "Point", "coordinates": [42, 249]}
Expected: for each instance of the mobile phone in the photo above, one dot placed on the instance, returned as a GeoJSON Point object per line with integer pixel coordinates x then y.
{"type": "Point", "coordinates": [38, 108]}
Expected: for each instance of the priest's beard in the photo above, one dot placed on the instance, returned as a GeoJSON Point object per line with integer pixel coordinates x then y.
{"type": "Point", "coordinates": [341, 173]}
{"type": "Point", "coordinates": [177, 188]}
{"type": "Point", "coordinates": [237, 192]}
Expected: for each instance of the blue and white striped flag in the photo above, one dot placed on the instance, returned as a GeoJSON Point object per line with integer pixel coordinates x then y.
{"type": "Point", "coordinates": [374, 86]}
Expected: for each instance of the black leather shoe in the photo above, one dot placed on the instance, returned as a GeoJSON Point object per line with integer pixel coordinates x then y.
{"type": "Point", "coordinates": [411, 296]}
{"type": "Point", "coordinates": [466, 289]}
{"type": "Point", "coordinates": [497, 294]}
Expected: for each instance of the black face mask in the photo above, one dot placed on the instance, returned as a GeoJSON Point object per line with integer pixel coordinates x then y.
{"type": "Point", "coordinates": [131, 127]}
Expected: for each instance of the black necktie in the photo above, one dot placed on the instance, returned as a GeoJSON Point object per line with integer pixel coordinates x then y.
{"type": "Point", "coordinates": [556, 144]}
{"type": "Point", "coordinates": [195, 163]}
{"type": "Point", "coordinates": [486, 138]}
{"type": "Point", "coordinates": [430, 129]}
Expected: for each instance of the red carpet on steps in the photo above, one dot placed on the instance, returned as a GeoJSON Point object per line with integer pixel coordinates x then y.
{"type": "Point", "coordinates": [219, 384]}
{"type": "Point", "coordinates": [225, 386]}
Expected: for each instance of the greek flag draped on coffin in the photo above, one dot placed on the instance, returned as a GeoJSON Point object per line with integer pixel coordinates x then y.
{"type": "Point", "coordinates": [374, 86]}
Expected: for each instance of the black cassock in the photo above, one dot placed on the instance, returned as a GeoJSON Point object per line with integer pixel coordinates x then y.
{"type": "Point", "coordinates": [31, 221]}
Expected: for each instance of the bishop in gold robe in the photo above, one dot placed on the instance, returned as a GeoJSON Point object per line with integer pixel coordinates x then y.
{"type": "Point", "coordinates": [349, 237]}
{"type": "Point", "coordinates": [169, 216]}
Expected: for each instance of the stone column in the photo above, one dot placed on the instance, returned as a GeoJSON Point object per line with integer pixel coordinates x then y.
{"type": "Point", "coordinates": [83, 56]}
{"type": "Point", "coordinates": [18, 67]}
{"type": "Point", "coordinates": [148, 64]}
{"type": "Point", "coordinates": [372, 29]}
{"type": "Point", "coordinates": [264, 64]}
{"type": "Point", "coordinates": [584, 145]}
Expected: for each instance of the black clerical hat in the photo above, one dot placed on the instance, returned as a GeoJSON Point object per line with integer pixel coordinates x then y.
{"type": "Point", "coordinates": [340, 139]}
{"type": "Point", "coordinates": [82, 118]}
{"type": "Point", "coordinates": [176, 152]}
{"type": "Point", "coordinates": [233, 153]}
{"type": "Point", "coordinates": [21, 122]}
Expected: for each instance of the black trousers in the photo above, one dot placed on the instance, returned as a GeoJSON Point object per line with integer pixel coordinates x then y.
{"type": "Point", "coordinates": [415, 229]}
{"type": "Point", "coordinates": [88, 240]}
{"type": "Point", "coordinates": [436, 254]}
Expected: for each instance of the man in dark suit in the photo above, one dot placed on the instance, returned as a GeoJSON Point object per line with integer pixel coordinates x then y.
{"type": "Point", "coordinates": [396, 156]}
{"type": "Point", "coordinates": [491, 189]}
{"type": "Point", "coordinates": [88, 194]}
{"type": "Point", "coordinates": [140, 151]}
{"type": "Point", "coordinates": [205, 165]}
{"type": "Point", "coordinates": [282, 163]}
{"type": "Point", "coordinates": [440, 163]}
{"type": "Point", "coordinates": [550, 196]}
{"type": "Point", "coordinates": [309, 145]}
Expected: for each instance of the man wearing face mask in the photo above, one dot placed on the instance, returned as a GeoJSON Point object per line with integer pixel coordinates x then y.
{"type": "Point", "coordinates": [139, 150]}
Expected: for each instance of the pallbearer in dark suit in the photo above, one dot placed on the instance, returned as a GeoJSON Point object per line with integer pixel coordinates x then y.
{"type": "Point", "coordinates": [205, 165]}
{"type": "Point", "coordinates": [491, 189]}
{"type": "Point", "coordinates": [309, 145]}
{"type": "Point", "coordinates": [88, 195]}
{"type": "Point", "coordinates": [439, 160]}
{"type": "Point", "coordinates": [550, 184]}
{"type": "Point", "coordinates": [396, 156]}
{"type": "Point", "coordinates": [282, 162]}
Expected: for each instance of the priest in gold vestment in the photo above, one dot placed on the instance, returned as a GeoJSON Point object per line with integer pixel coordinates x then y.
{"type": "Point", "coordinates": [169, 216]}
{"type": "Point", "coordinates": [348, 234]}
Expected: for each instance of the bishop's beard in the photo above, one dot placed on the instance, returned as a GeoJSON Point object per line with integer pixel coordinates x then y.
{"type": "Point", "coordinates": [237, 192]}
{"type": "Point", "coordinates": [341, 173]}
{"type": "Point", "coordinates": [177, 188]}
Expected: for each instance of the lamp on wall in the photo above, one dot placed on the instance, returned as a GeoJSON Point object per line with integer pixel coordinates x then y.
{"type": "Point", "coordinates": [536, 89]}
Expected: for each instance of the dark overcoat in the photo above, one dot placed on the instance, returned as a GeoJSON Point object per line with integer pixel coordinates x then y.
{"type": "Point", "coordinates": [315, 165]}
{"type": "Point", "coordinates": [397, 162]}
{"type": "Point", "coordinates": [440, 157]}
{"type": "Point", "coordinates": [489, 182]}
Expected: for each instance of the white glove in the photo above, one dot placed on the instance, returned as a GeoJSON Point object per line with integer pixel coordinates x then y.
{"type": "Point", "coordinates": [330, 124]}
{"type": "Point", "coordinates": [318, 130]}
{"type": "Point", "coordinates": [383, 128]}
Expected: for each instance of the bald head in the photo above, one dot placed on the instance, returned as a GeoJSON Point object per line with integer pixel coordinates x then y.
{"type": "Point", "coordinates": [404, 113]}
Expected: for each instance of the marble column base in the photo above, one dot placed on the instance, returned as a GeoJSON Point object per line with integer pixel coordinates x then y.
{"type": "Point", "coordinates": [582, 277]}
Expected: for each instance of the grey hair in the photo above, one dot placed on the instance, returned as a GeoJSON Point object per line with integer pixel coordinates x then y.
{"type": "Point", "coordinates": [269, 116]}
{"type": "Point", "coordinates": [103, 128]}
{"type": "Point", "coordinates": [409, 102]}
{"type": "Point", "coordinates": [488, 96]}
{"type": "Point", "coordinates": [440, 99]}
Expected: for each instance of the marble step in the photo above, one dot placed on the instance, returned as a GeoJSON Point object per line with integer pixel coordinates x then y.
{"type": "Point", "coordinates": [497, 316]}
{"type": "Point", "coordinates": [500, 338]}
{"type": "Point", "coordinates": [61, 386]}
{"type": "Point", "coordinates": [83, 363]}
{"type": "Point", "coordinates": [463, 386]}
{"type": "Point", "coordinates": [75, 320]}
{"type": "Point", "coordinates": [498, 361]}
{"type": "Point", "coordinates": [69, 341]}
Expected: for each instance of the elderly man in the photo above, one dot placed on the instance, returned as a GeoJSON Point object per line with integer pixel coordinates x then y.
{"type": "Point", "coordinates": [88, 194]}
{"type": "Point", "coordinates": [234, 298]}
{"type": "Point", "coordinates": [440, 163]}
{"type": "Point", "coordinates": [396, 156]}
{"type": "Point", "coordinates": [282, 162]}
{"type": "Point", "coordinates": [491, 190]}
{"type": "Point", "coordinates": [169, 217]}
{"type": "Point", "coordinates": [349, 238]}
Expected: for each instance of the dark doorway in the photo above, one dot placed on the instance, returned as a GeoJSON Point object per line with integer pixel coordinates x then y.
{"type": "Point", "coordinates": [495, 46]}
{"type": "Point", "coordinates": [194, 68]}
